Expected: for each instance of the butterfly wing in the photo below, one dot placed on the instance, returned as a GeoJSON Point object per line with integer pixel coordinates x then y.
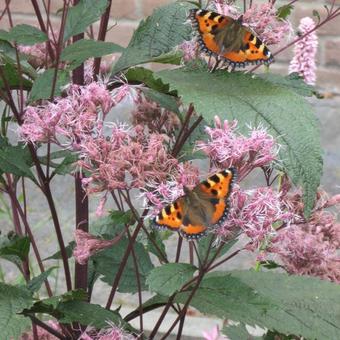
{"type": "Point", "coordinates": [178, 217]}
{"type": "Point", "coordinates": [225, 37]}
{"type": "Point", "coordinates": [215, 192]}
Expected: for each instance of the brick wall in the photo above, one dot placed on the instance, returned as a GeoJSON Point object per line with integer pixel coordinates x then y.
{"type": "Point", "coordinates": [125, 15]}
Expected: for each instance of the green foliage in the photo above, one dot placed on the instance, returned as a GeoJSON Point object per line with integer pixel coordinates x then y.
{"type": "Point", "coordinates": [57, 256]}
{"type": "Point", "coordinates": [298, 305]}
{"type": "Point", "coordinates": [85, 13]}
{"type": "Point", "coordinates": [67, 164]}
{"type": "Point", "coordinates": [13, 78]}
{"type": "Point", "coordinates": [24, 34]}
{"type": "Point", "coordinates": [170, 277]}
{"type": "Point", "coordinates": [35, 284]}
{"type": "Point", "coordinates": [13, 300]}
{"type": "Point", "coordinates": [164, 100]}
{"type": "Point", "coordinates": [14, 246]}
{"type": "Point", "coordinates": [83, 49]}
{"type": "Point", "coordinates": [16, 160]}
{"type": "Point", "coordinates": [150, 247]}
{"type": "Point", "coordinates": [293, 82]}
{"type": "Point", "coordinates": [252, 100]}
{"type": "Point", "coordinates": [284, 11]}
{"type": "Point", "coordinates": [42, 87]}
{"type": "Point", "coordinates": [108, 261]}
{"type": "Point", "coordinates": [156, 36]}
{"type": "Point", "coordinates": [238, 332]}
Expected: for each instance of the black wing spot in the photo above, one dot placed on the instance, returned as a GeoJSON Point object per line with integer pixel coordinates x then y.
{"type": "Point", "coordinates": [168, 210]}
{"type": "Point", "coordinates": [160, 216]}
{"type": "Point", "coordinates": [220, 19]}
{"type": "Point", "coordinates": [265, 51]}
{"type": "Point", "coordinates": [213, 15]}
{"type": "Point", "coordinates": [176, 205]}
{"type": "Point", "coordinates": [214, 192]}
{"type": "Point", "coordinates": [215, 178]}
{"type": "Point", "coordinates": [251, 37]}
{"type": "Point", "coordinates": [207, 184]}
{"type": "Point", "coordinates": [202, 13]}
{"type": "Point", "coordinates": [179, 215]}
{"type": "Point", "coordinates": [214, 201]}
{"type": "Point", "coordinates": [258, 43]}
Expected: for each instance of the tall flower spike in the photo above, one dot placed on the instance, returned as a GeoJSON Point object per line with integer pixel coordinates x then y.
{"type": "Point", "coordinates": [305, 50]}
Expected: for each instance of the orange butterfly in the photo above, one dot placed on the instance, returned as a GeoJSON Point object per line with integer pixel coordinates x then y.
{"type": "Point", "coordinates": [228, 40]}
{"type": "Point", "coordinates": [200, 209]}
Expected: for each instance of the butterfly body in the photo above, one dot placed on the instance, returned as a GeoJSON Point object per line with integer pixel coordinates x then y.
{"type": "Point", "coordinates": [203, 208]}
{"type": "Point", "coordinates": [228, 40]}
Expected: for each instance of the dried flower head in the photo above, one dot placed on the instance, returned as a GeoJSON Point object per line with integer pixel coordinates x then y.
{"type": "Point", "coordinates": [305, 50]}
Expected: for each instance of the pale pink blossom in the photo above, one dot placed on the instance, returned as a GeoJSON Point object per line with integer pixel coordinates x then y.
{"type": "Point", "coordinates": [37, 54]}
{"type": "Point", "coordinates": [227, 8]}
{"type": "Point", "coordinates": [213, 334]}
{"type": "Point", "coordinates": [189, 49]}
{"type": "Point", "coordinates": [305, 50]}
{"type": "Point", "coordinates": [226, 147]}
{"type": "Point", "coordinates": [88, 245]}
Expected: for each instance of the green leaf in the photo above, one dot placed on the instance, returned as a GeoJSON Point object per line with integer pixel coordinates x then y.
{"type": "Point", "coordinates": [13, 300]}
{"type": "Point", "coordinates": [147, 77]}
{"type": "Point", "coordinates": [170, 277]}
{"type": "Point", "coordinates": [16, 160]}
{"type": "Point", "coordinates": [24, 34]}
{"type": "Point", "coordinates": [108, 261]}
{"type": "Point", "coordinates": [156, 36]}
{"type": "Point", "coordinates": [83, 49]}
{"type": "Point", "coordinates": [164, 100]}
{"type": "Point", "coordinates": [42, 87]}
{"type": "Point", "coordinates": [293, 82]}
{"type": "Point", "coordinates": [252, 100]}
{"type": "Point", "coordinates": [85, 13]}
{"type": "Point", "coordinates": [57, 256]}
{"type": "Point", "coordinates": [14, 246]}
{"type": "Point", "coordinates": [67, 165]}
{"type": "Point", "coordinates": [299, 305]}
{"type": "Point", "coordinates": [238, 332]}
{"type": "Point", "coordinates": [11, 74]}
{"type": "Point", "coordinates": [284, 11]}
{"type": "Point", "coordinates": [35, 284]}
{"type": "Point", "coordinates": [203, 246]}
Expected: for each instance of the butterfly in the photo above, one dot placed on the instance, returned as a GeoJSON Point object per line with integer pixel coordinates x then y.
{"type": "Point", "coordinates": [228, 40]}
{"type": "Point", "coordinates": [203, 208]}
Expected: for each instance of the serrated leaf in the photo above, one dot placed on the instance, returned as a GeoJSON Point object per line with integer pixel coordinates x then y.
{"type": "Point", "coordinates": [85, 13]}
{"type": "Point", "coordinates": [170, 277]}
{"type": "Point", "coordinates": [35, 284]}
{"type": "Point", "coordinates": [251, 100]}
{"type": "Point", "coordinates": [83, 49]}
{"type": "Point", "coordinates": [299, 305]}
{"type": "Point", "coordinates": [293, 82]}
{"type": "Point", "coordinates": [203, 246]}
{"type": "Point", "coordinates": [164, 100]}
{"type": "Point", "coordinates": [15, 246]}
{"type": "Point", "coordinates": [147, 77]}
{"type": "Point", "coordinates": [13, 300]}
{"type": "Point", "coordinates": [25, 35]}
{"type": "Point", "coordinates": [156, 36]}
{"type": "Point", "coordinates": [11, 74]}
{"type": "Point", "coordinates": [42, 87]}
{"type": "Point", "coordinates": [108, 261]}
{"type": "Point", "coordinates": [16, 160]}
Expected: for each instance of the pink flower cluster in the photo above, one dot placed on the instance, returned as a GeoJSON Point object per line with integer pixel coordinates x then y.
{"type": "Point", "coordinates": [261, 18]}
{"type": "Point", "coordinates": [37, 54]}
{"type": "Point", "coordinates": [129, 158]}
{"type": "Point", "coordinates": [311, 247]}
{"type": "Point", "coordinates": [87, 245]}
{"type": "Point", "coordinates": [71, 117]}
{"type": "Point", "coordinates": [42, 333]}
{"type": "Point", "coordinates": [227, 148]}
{"type": "Point", "coordinates": [256, 212]}
{"type": "Point", "coordinates": [305, 50]}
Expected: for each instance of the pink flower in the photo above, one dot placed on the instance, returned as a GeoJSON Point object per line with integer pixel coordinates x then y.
{"type": "Point", "coordinates": [305, 50]}
{"type": "Point", "coordinates": [87, 245]}
{"type": "Point", "coordinates": [37, 54]}
{"type": "Point", "coordinates": [264, 21]}
{"type": "Point", "coordinates": [213, 334]}
{"type": "Point", "coordinates": [227, 148]}
{"type": "Point", "coordinates": [225, 8]}
{"type": "Point", "coordinates": [189, 49]}
{"type": "Point", "coordinates": [42, 333]}
{"type": "Point", "coordinates": [255, 212]}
